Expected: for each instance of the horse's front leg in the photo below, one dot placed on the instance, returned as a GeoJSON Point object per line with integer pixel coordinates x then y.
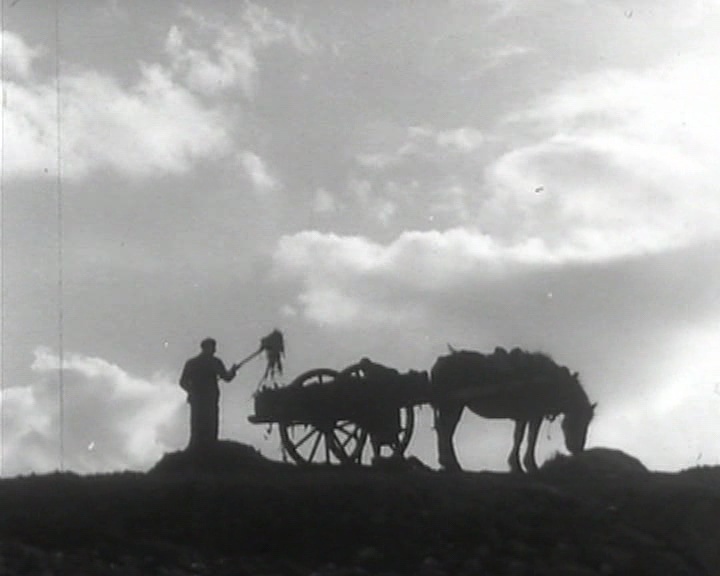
{"type": "Point", "coordinates": [514, 458]}
{"type": "Point", "coordinates": [529, 459]}
{"type": "Point", "coordinates": [447, 417]}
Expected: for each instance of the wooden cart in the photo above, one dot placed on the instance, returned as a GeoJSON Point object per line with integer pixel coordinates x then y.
{"type": "Point", "coordinates": [344, 417]}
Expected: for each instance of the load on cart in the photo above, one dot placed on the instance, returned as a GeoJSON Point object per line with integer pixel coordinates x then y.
{"type": "Point", "coordinates": [347, 416]}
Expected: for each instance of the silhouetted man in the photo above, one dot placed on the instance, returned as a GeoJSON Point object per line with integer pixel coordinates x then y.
{"type": "Point", "coordinates": [200, 380]}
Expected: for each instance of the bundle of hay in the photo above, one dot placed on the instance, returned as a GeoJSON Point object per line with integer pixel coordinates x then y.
{"type": "Point", "coordinates": [274, 346]}
{"type": "Point", "coordinates": [595, 462]}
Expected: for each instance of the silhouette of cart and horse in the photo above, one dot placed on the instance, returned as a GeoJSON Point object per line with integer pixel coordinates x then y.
{"type": "Point", "coordinates": [350, 416]}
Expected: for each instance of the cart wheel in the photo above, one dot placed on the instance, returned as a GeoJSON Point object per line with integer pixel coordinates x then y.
{"type": "Point", "coordinates": [322, 442]}
{"type": "Point", "coordinates": [407, 417]}
{"type": "Point", "coordinates": [407, 425]}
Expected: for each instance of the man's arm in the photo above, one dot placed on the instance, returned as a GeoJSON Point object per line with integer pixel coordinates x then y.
{"type": "Point", "coordinates": [224, 373]}
{"type": "Point", "coordinates": [185, 380]}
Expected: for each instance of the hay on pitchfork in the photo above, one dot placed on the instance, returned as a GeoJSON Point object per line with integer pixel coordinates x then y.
{"type": "Point", "coordinates": [274, 347]}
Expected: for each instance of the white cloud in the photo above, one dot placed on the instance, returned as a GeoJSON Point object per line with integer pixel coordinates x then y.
{"type": "Point", "coordinates": [526, 293]}
{"type": "Point", "coordinates": [419, 141]}
{"type": "Point", "coordinates": [213, 55]}
{"type": "Point", "coordinates": [350, 279]}
{"type": "Point", "coordinates": [428, 141]}
{"type": "Point", "coordinates": [378, 206]}
{"type": "Point", "coordinates": [229, 62]}
{"type": "Point", "coordinates": [362, 200]}
{"type": "Point", "coordinates": [256, 170]}
{"type": "Point", "coordinates": [462, 139]}
{"type": "Point", "coordinates": [376, 161]}
{"type": "Point", "coordinates": [113, 420]}
{"type": "Point", "coordinates": [157, 127]}
{"type": "Point", "coordinates": [152, 127]}
{"type": "Point", "coordinates": [267, 29]}
{"type": "Point", "coordinates": [404, 173]}
{"type": "Point", "coordinates": [618, 157]}
{"type": "Point", "coordinates": [18, 58]}
{"type": "Point", "coordinates": [30, 129]}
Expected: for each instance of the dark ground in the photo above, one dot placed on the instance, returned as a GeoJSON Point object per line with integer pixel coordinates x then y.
{"type": "Point", "coordinates": [600, 513]}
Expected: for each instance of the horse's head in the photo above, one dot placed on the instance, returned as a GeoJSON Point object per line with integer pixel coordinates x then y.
{"type": "Point", "coordinates": [578, 414]}
{"type": "Point", "coordinates": [575, 427]}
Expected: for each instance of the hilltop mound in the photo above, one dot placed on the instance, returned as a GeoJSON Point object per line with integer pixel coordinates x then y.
{"type": "Point", "coordinates": [226, 457]}
{"type": "Point", "coordinates": [273, 518]}
{"type": "Point", "coordinates": [707, 475]}
{"type": "Point", "coordinates": [605, 462]}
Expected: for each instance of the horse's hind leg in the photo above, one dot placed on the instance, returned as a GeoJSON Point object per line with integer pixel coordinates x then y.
{"type": "Point", "coordinates": [447, 417]}
{"type": "Point", "coordinates": [514, 457]}
{"type": "Point", "coordinates": [529, 459]}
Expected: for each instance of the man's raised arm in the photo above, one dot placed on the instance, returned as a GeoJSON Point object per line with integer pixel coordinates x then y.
{"type": "Point", "coordinates": [224, 373]}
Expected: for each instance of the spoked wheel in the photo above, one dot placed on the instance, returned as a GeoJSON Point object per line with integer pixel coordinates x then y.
{"type": "Point", "coordinates": [325, 441]}
{"type": "Point", "coordinates": [407, 419]}
{"type": "Point", "coordinates": [350, 440]}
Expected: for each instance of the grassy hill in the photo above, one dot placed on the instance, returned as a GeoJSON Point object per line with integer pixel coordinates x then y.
{"type": "Point", "coordinates": [238, 513]}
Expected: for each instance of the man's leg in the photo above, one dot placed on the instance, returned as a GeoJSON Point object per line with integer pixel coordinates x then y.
{"type": "Point", "coordinates": [213, 421]}
{"type": "Point", "coordinates": [195, 425]}
{"type": "Point", "coordinates": [202, 424]}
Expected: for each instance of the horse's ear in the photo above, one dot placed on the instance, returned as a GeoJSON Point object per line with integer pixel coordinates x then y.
{"type": "Point", "coordinates": [593, 406]}
{"type": "Point", "coordinates": [451, 349]}
{"type": "Point", "coordinates": [575, 375]}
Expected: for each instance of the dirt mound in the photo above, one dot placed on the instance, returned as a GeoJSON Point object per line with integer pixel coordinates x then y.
{"type": "Point", "coordinates": [605, 462]}
{"type": "Point", "coordinates": [225, 457]}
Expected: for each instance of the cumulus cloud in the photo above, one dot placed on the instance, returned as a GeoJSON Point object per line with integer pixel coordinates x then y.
{"type": "Point", "coordinates": [391, 146]}
{"type": "Point", "coordinates": [213, 55]}
{"type": "Point", "coordinates": [418, 174]}
{"type": "Point", "coordinates": [225, 65]}
{"type": "Point", "coordinates": [155, 128]}
{"type": "Point", "coordinates": [112, 419]}
{"type": "Point", "coordinates": [333, 268]}
{"type": "Point", "coordinates": [620, 158]}
{"type": "Point", "coordinates": [462, 139]}
{"type": "Point", "coordinates": [459, 274]}
{"type": "Point", "coordinates": [268, 29]}
{"type": "Point", "coordinates": [19, 56]}
{"type": "Point", "coordinates": [151, 127]}
{"type": "Point", "coordinates": [257, 171]}
{"type": "Point", "coordinates": [428, 141]}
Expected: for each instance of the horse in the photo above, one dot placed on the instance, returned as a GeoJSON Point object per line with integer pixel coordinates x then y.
{"type": "Point", "coordinates": [522, 386]}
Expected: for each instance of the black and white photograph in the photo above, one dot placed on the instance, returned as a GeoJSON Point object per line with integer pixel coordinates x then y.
{"type": "Point", "coordinates": [361, 288]}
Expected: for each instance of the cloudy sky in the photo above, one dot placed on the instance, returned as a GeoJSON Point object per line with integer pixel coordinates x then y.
{"type": "Point", "coordinates": [374, 179]}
